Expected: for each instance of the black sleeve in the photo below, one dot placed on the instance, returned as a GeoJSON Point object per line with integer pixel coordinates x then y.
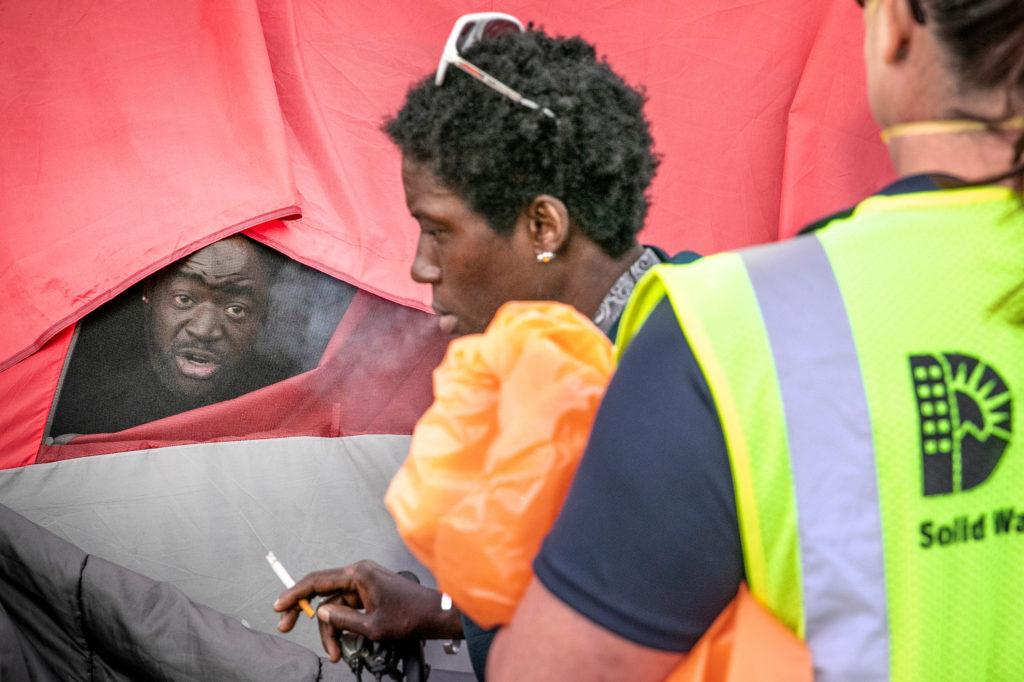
{"type": "Point", "coordinates": [647, 544]}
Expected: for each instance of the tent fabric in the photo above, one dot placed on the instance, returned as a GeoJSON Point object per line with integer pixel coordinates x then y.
{"type": "Point", "coordinates": [68, 615]}
{"type": "Point", "coordinates": [196, 517]}
{"type": "Point", "coordinates": [133, 134]}
{"type": "Point", "coordinates": [757, 107]}
{"type": "Point", "coordinates": [140, 133]}
{"type": "Point", "coordinates": [26, 393]}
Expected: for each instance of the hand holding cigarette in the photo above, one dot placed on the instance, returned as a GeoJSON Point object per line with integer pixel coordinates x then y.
{"type": "Point", "coordinates": [367, 599]}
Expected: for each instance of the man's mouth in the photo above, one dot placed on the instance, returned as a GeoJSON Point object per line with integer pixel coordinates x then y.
{"type": "Point", "coordinates": [197, 364]}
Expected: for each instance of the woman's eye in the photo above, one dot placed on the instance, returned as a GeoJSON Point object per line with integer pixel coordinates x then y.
{"type": "Point", "coordinates": [431, 231]}
{"type": "Point", "coordinates": [182, 300]}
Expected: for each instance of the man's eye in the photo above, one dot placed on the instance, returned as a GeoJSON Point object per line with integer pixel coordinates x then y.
{"type": "Point", "coordinates": [237, 312]}
{"type": "Point", "coordinates": [182, 300]}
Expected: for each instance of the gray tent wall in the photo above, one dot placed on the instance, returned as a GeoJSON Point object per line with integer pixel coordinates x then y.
{"type": "Point", "coordinates": [190, 516]}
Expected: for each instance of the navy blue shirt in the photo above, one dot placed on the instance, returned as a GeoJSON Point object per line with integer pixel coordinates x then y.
{"type": "Point", "coordinates": [656, 460]}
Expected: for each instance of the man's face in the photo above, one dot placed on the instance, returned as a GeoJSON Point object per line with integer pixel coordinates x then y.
{"type": "Point", "coordinates": [471, 268]}
{"type": "Point", "coordinates": [203, 317]}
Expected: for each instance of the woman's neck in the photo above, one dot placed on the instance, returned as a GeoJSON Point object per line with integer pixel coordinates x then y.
{"type": "Point", "coordinates": [966, 155]}
{"type": "Point", "coordinates": [594, 275]}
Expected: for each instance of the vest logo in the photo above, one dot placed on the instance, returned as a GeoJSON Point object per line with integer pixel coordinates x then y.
{"type": "Point", "coordinates": [965, 414]}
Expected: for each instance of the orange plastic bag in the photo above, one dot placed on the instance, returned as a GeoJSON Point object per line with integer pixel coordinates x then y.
{"type": "Point", "coordinates": [492, 459]}
{"type": "Point", "coordinates": [746, 642]}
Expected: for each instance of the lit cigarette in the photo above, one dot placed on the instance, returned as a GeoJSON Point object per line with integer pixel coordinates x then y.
{"type": "Point", "coordinates": [282, 573]}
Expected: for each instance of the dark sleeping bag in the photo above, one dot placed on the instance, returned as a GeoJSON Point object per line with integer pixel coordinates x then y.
{"type": "Point", "coordinates": [68, 615]}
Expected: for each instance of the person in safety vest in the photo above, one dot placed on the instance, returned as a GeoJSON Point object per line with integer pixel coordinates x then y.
{"type": "Point", "coordinates": [525, 161]}
{"type": "Point", "coordinates": [835, 420]}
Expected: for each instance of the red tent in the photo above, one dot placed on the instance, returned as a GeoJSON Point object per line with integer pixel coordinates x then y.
{"type": "Point", "coordinates": [137, 133]}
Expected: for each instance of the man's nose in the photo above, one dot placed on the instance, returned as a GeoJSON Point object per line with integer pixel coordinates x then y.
{"type": "Point", "coordinates": [424, 268]}
{"type": "Point", "coordinates": [206, 323]}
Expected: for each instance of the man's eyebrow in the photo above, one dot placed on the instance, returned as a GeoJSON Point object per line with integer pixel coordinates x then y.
{"type": "Point", "coordinates": [237, 288]}
{"type": "Point", "coordinates": [237, 285]}
{"type": "Point", "coordinates": [192, 275]}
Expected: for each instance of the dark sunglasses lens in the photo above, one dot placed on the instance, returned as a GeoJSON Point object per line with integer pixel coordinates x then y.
{"type": "Point", "coordinates": [475, 31]}
{"type": "Point", "coordinates": [463, 38]}
{"type": "Point", "coordinates": [498, 27]}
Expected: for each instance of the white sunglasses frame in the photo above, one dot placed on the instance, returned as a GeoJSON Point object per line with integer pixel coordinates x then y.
{"type": "Point", "coordinates": [450, 57]}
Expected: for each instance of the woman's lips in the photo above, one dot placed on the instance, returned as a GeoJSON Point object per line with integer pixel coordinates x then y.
{"type": "Point", "coordinates": [447, 322]}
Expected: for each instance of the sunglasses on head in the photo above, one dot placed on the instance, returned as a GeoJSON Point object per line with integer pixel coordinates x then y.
{"type": "Point", "coordinates": [915, 8]}
{"type": "Point", "coordinates": [470, 29]}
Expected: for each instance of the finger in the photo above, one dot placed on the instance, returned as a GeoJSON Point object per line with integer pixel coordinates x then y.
{"type": "Point", "coordinates": [315, 583]}
{"type": "Point", "coordinates": [289, 599]}
{"type": "Point", "coordinates": [342, 617]}
{"type": "Point", "coordinates": [350, 599]}
{"type": "Point", "coordinates": [329, 638]}
{"type": "Point", "coordinates": [287, 621]}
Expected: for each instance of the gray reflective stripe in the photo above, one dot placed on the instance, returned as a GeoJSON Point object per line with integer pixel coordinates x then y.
{"type": "Point", "coordinates": [832, 457]}
{"type": "Point", "coordinates": [182, 515]}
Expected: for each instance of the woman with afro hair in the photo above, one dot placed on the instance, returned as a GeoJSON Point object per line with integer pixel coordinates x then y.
{"type": "Point", "coordinates": [514, 203]}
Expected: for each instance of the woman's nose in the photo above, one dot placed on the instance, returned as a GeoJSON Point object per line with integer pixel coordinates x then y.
{"type": "Point", "coordinates": [424, 270]}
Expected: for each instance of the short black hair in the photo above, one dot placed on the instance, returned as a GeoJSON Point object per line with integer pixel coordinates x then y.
{"type": "Point", "coordinates": [498, 155]}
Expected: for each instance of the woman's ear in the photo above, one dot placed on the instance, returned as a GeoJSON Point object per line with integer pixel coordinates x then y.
{"type": "Point", "coordinates": [548, 224]}
{"type": "Point", "coordinates": [896, 24]}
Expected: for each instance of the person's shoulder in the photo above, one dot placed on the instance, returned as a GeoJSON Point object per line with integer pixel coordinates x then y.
{"type": "Point", "coordinates": [266, 369]}
{"type": "Point", "coordinates": [681, 258]}
{"type": "Point", "coordinates": [111, 400]}
{"type": "Point", "coordinates": [822, 223]}
{"type": "Point", "coordinates": [925, 182]}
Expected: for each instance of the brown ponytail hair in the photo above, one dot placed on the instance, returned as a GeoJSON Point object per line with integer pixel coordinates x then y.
{"type": "Point", "coordinates": [984, 40]}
